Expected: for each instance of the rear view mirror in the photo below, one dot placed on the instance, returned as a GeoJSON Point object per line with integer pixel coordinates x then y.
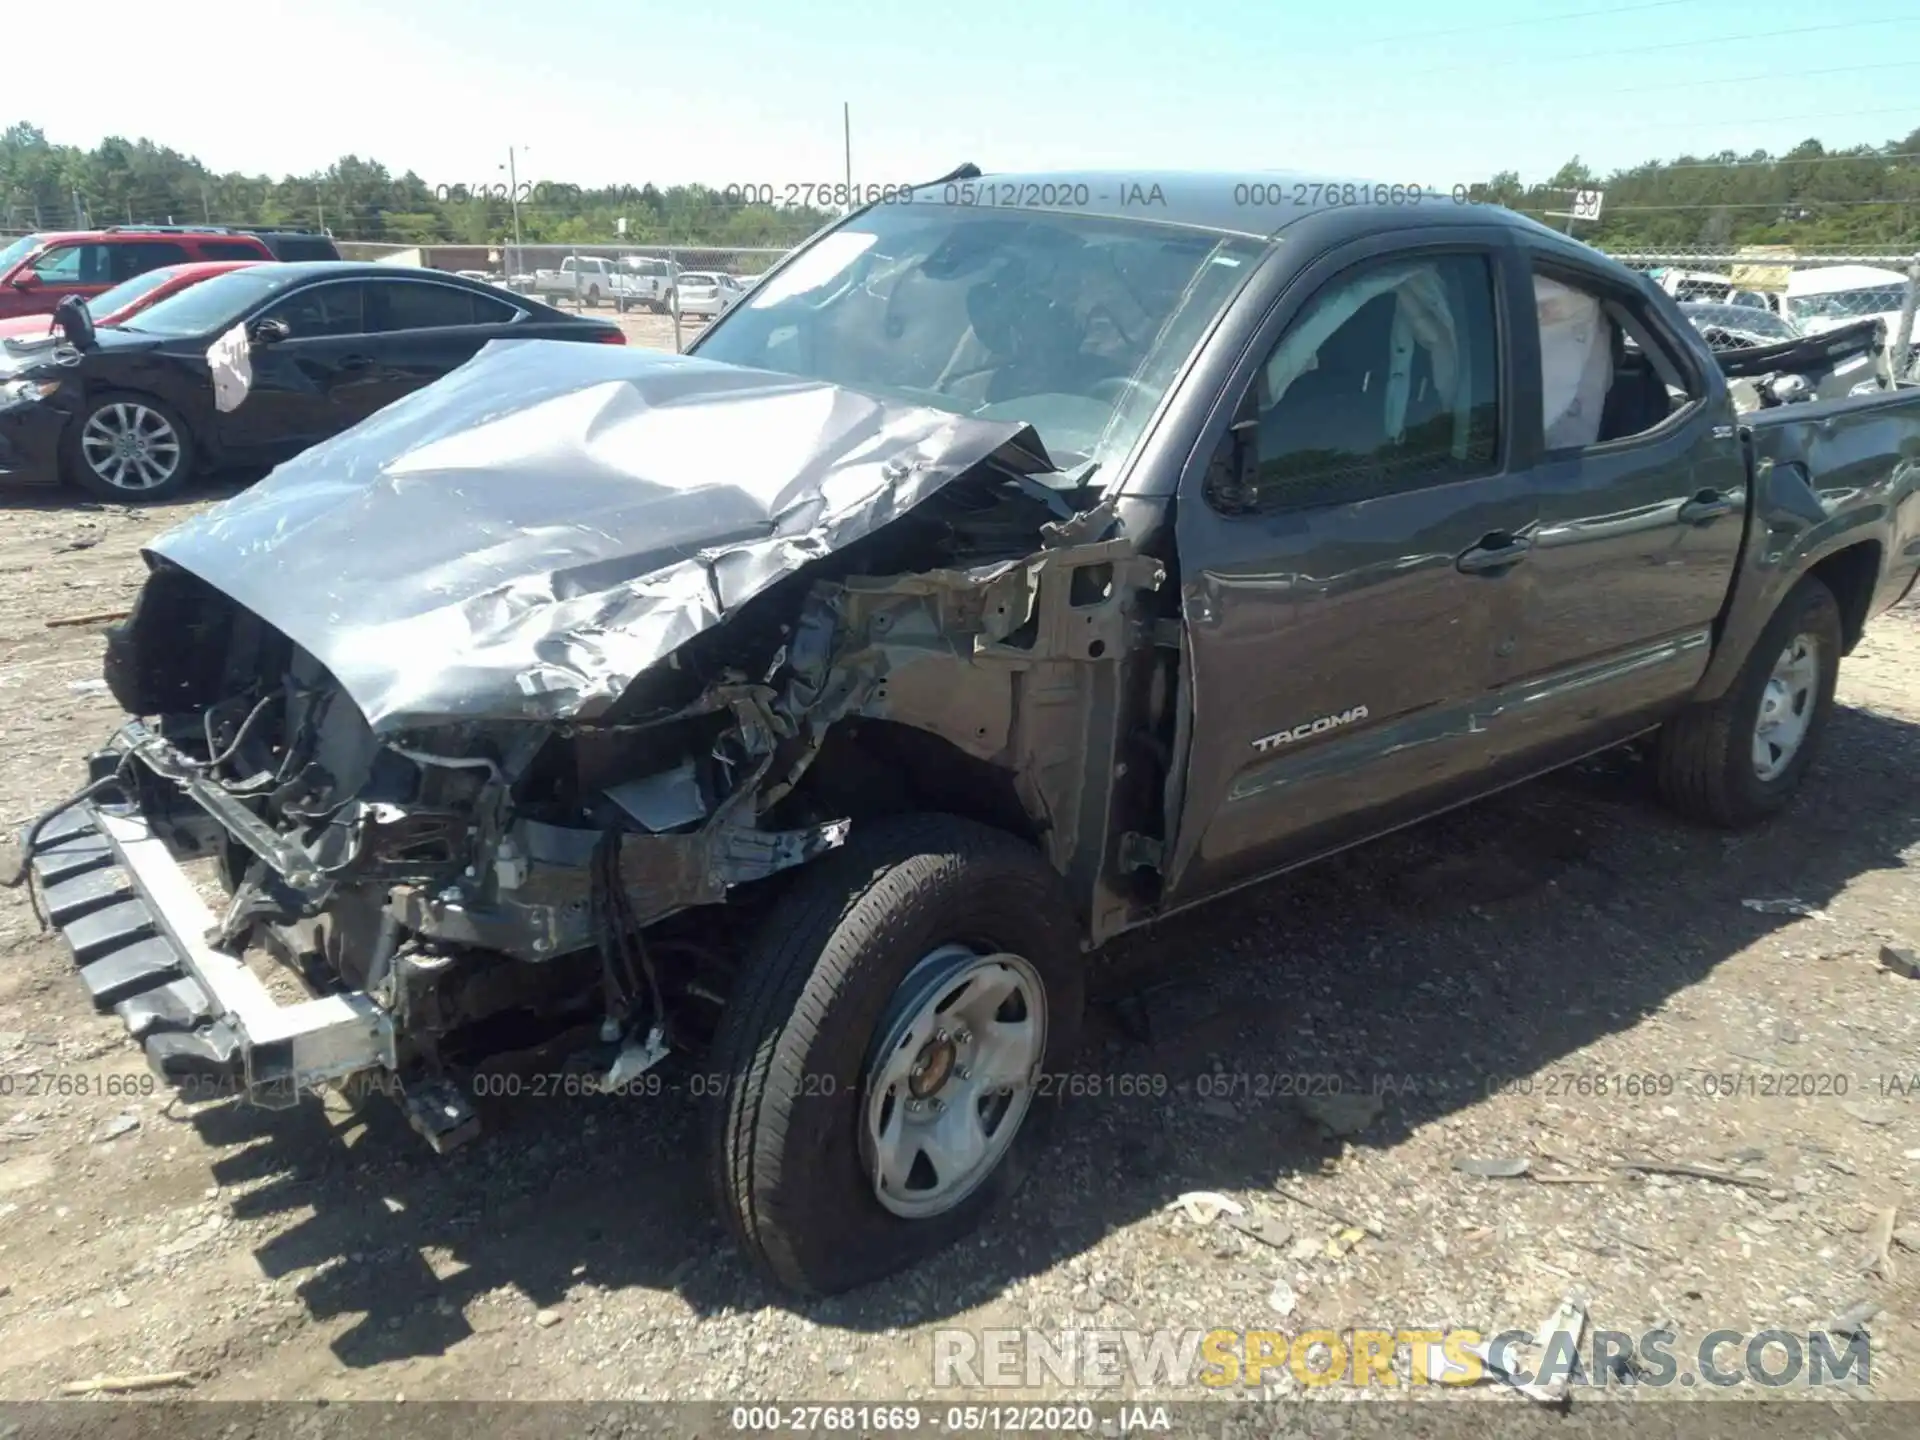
{"type": "Point", "coordinates": [25, 280]}
{"type": "Point", "coordinates": [268, 332]}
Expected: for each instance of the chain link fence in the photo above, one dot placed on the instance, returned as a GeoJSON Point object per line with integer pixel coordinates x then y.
{"type": "Point", "coordinates": [1779, 291]}
{"type": "Point", "coordinates": [690, 284]}
{"type": "Point", "coordinates": [1768, 293]}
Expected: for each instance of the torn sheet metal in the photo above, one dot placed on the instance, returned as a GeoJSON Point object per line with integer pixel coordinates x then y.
{"type": "Point", "coordinates": [522, 539]}
{"type": "Point", "coordinates": [1848, 360]}
{"type": "Point", "coordinates": [231, 360]}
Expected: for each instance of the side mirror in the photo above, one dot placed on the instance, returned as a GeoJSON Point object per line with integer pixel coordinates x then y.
{"type": "Point", "coordinates": [1233, 476]}
{"type": "Point", "coordinates": [25, 280]}
{"type": "Point", "coordinates": [268, 332]}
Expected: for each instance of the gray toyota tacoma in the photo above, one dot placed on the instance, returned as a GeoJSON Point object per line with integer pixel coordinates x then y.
{"type": "Point", "coordinates": [1023, 561]}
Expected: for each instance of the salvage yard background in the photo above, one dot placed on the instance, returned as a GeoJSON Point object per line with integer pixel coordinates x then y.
{"type": "Point", "coordinates": [1466, 981]}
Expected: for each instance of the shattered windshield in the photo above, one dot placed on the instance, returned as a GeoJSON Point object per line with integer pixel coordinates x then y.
{"type": "Point", "coordinates": [1847, 304]}
{"type": "Point", "coordinates": [1747, 319]}
{"type": "Point", "coordinates": [1073, 324]}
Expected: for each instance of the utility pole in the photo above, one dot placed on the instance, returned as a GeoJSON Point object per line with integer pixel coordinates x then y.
{"type": "Point", "coordinates": [513, 192]}
{"type": "Point", "coordinates": [513, 201]}
{"type": "Point", "coordinates": [206, 205]}
{"type": "Point", "coordinates": [846, 135]}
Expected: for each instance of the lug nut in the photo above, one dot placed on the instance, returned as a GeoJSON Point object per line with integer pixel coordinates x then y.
{"type": "Point", "coordinates": [963, 1072]}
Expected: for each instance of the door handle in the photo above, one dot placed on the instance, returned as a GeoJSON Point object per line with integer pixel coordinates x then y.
{"type": "Point", "coordinates": [356, 362]}
{"type": "Point", "coordinates": [1707, 505]}
{"type": "Point", "coordinates": [1495, 553]}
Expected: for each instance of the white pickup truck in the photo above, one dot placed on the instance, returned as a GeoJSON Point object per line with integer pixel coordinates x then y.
{"type": "Point", "coordinates": [650, 282]}
{"type": "Point", "coordinates": [590, 279]}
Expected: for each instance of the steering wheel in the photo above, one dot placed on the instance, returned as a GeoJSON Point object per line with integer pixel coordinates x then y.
{"type": "Point", "coordinates": [853, 278]}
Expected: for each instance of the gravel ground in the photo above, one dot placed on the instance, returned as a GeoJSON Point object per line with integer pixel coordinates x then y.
{"type": "Point", "coordinates": [1468, 988]}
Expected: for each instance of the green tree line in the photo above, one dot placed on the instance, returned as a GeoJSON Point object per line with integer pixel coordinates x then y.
{"type": "Point", "coordinates": [1866, 197]}
{"type": "Point", "coordinates": [1812, 197]}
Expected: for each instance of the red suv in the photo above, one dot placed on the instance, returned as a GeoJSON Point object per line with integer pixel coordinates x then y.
{"type": "Point", "coordinates": [37, 272]}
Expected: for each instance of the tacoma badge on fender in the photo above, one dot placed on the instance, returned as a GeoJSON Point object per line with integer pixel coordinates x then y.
{"type": "Point", "coordinates": [1312, 727]}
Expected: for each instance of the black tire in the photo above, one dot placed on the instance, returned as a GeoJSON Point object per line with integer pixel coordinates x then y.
{"type": "Point", "coordinates": [593, 297]}
{"type": "Point", "coordinates": [792, 1047]}
{"type": "Point", "coordinates": [82, 475]}
{"type": "Point", "coordinates": [1703, 757]}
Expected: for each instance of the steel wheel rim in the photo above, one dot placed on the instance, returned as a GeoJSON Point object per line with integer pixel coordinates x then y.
{"type": "Point", "coordinates": [950, 1080]}
{"type": "Point", "coordinates": [130, 446]}
{"type": "Point", "coordinates": [1786, 707]}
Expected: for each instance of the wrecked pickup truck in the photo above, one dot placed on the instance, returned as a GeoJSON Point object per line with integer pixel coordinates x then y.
{"type": "Point", "coordinates": [1769, 363]}
{"type": "Point", "coordinates": [996, 578]}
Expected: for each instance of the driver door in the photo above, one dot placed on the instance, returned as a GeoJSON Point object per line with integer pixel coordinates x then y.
{"type": "Point", "coordinates": [318, 381]}
{"type": "Point", "coordinates": [1347, 567]}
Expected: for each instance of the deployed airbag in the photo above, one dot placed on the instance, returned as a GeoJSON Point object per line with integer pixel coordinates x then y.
{"type": "Point", "coordinates": [524, 538]}
{"type": "Point", "coordinates": [1576, 363]}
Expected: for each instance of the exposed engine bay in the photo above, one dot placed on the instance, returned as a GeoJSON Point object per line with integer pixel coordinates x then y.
{"type": "Point", "coordinates": [504, 858]}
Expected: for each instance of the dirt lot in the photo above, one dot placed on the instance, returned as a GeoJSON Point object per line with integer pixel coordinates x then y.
{"type": "Point", "coordinates": [1476, 983]}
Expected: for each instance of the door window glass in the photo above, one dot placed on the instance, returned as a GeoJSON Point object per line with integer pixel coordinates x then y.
{"type": "Point", "coordinates": [320, 310]}
{"type": "Point", "coordinates": [135, 257]}
{"type": "Point", "coordinates": [1603, 375]}
{"type": "Point", "coordinates": [398, 305]}
{"type": "Point", "coordinates": [1388, 381]}
{"type": "Point", "coordinates": [74, 265]}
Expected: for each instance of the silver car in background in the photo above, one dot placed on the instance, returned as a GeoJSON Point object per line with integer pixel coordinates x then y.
{"type": "Point", "coordinates": [707, 293]}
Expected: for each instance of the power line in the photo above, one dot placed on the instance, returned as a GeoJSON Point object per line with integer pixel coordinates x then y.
{"type": "Point", "coordinates": [1769, 75]}
{"type": "Point", "coordinates": [1770, 119]}
{"type": "Point", "coordinates": [1758, 164]}
{"type": "Point", "coordinates": [1526, 20]}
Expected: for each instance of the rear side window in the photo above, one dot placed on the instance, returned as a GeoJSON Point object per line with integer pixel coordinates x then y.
{"type": "Point", "coordinates": [1604, 374]}
{"type": "Point", "coordinates": [129, 258]}
{"type": "Point", "coordinates": [1388, 381]}
{"type": "Point", "coordinates": [229, 250]}
{"type": "Point", "coordinates": [488, 311]}
{"type": "Point", "coordinates": [400, 305]}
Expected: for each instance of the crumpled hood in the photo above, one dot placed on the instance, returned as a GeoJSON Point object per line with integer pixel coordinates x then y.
{"type": "Point", "coordinates": [522, 539]}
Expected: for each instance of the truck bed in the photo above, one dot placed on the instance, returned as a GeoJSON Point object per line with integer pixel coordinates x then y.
{"type": "Point", "coordinates": [1827, 475]}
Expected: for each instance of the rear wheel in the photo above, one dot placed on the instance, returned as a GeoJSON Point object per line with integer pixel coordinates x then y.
{"type": "Point", "coordinates": [129, 447]}
{"type": "Point", "coordinates": [875, 1071]}
{"type": "Point", "coordinates": [1739, 759]}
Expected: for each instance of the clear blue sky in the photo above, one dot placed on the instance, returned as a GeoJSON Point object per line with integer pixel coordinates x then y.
{"type": "Point", "coordinates": [625, 91]}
